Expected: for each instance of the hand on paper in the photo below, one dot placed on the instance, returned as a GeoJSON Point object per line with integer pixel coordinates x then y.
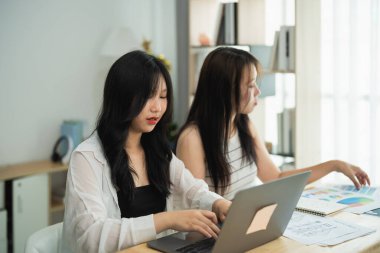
{"type": "Point", "coordinates": [354, 173]}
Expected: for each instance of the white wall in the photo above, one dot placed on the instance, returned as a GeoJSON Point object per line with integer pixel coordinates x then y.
{"type": "Point", "coordinates": [52, 67]}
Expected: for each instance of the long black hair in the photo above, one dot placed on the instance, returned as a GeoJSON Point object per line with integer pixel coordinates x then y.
{"type": "Point", "coordinates": [130, 82]}
{"type": "Point", "coordinates": [216, 100]}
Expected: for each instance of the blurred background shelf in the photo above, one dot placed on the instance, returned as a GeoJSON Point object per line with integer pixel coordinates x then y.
{"type": "Point", "coordinates": [56, 205]}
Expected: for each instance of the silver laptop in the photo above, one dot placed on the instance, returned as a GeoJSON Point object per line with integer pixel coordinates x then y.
{"type": "Point", "coordinates": [257, 215]}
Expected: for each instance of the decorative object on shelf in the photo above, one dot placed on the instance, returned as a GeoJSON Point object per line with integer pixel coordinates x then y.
{"type": "Point", "coordinates": [71, 136]}
{"type": "Point", "coordinates": [146, 45]}
{"type": "Point", "coordinates": [62, 149]}
{"type": "Point", "coordinates": [73, 129]}
{"type": "Point", "coordinates": [204, 40]}
{"type": "Point", "coordinates": [269, 146]}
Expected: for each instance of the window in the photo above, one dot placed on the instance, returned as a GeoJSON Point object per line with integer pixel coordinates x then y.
{"type": "Point", "coordinates": [350, 64]}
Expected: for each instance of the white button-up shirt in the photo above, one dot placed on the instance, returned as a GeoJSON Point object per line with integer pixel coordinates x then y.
{"type": "Point", "coordinates": [92, 221]}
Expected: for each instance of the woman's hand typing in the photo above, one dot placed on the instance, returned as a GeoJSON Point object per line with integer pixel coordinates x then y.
{"type": "Point", "coordinates": [221, 207]}
{"type": "Point", "coordinates": [202, 221]}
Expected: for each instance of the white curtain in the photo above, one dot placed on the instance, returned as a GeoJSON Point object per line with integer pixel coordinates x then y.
{"type": "Point", "coordinates": [350, 66]}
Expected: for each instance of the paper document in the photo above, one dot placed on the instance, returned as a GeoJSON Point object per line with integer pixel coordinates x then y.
{"type": "Point", "coordinates": [310, 229]}
{"type": "Point", "coordinates": [375, 212]}
{"type": "Point", "coordinates": [360, 231]}
{"type": "Point", "coordinates": [365, 190]}
{"type": "Point", "coordinates": [364, 208]}
{"type": "Point", "coordinates": [356, 202]}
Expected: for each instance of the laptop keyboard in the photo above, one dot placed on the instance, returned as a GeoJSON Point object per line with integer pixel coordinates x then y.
{"type": "Point", "coordinates": [199, 246]}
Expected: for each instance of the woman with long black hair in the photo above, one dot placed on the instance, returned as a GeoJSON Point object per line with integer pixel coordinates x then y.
{"type": "Point", "coordinates": [123, 181]}
{"type": "Point", "coordinates": [220, 144]}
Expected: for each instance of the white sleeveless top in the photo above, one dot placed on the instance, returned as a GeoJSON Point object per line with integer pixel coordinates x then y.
{"type": "Point", "coordinates": [243, 173]}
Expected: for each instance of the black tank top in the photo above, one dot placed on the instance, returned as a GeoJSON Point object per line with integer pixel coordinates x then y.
{"type": "Point", "coordinates": [147, 200]}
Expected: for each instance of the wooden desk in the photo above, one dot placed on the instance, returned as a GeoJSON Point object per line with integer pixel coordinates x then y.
{"type": "Point", "coordinates": [368, 243]}
{"type": "Point", "coordinates": [9, 172]}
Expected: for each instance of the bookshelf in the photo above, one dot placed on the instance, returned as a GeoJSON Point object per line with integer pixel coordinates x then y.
{"type": "Point", "coordinates": [256, 23]}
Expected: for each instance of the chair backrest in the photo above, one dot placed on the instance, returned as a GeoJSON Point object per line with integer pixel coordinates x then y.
{"type": "Point", "coordinates": [46, 240]}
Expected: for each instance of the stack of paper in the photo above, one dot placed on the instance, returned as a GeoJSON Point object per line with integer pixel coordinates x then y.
{"type": "Point", "coordinates": [324, 231]}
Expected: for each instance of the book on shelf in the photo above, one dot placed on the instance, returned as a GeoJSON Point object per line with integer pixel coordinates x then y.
{"type": "Point", "coordinates": [220, 38]}
{"type": "Point", "coordinates": [318, 207]}
{"type": "Point", "coordinates": [283, 52]}
{"type": "Point", "coordinates": [227, 28]}
{"type": "Point", "coordinates": [282, 61]}
{"type": "Point", "coordinates": [288, 131]}
{"type": "Point", "coordinates": [219, 28]}
{"type": "Point", "coordinates": [286, 121]}
{"type": "Point", "coordinates": [273, 65]}
{"type": "Point", "coordinates": [280, 127]}
{"type": "Point", "coordinates": [291, 48]}
{"type": "Point", "coordinates": [230, 24]}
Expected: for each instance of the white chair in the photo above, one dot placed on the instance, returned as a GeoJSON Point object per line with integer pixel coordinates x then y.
{"type": "Point", "coordinates": [46, 240]}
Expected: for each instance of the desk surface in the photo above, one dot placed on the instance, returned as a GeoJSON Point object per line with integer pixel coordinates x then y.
{"type": "Point", "coordinates": [31, 168]}
{"type": "Point", "coordinates": [368, 243]}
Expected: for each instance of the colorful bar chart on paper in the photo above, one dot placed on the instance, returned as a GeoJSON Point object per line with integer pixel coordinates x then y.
{"type": "Point", "coordinates": [351, 198]}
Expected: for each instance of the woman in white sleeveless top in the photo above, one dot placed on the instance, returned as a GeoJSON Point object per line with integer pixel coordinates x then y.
{"type": "Point", "coordinates": [220, 144]}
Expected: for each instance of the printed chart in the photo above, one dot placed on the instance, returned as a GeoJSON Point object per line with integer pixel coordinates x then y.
{"type": "Point", "coordinates": [365, 190]}
{"type": "Point", "coordinates": [350, 198]}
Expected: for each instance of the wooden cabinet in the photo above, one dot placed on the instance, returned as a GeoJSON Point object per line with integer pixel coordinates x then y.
{"type": "Point", "coordinates": [30, 209]}
{"type": "Point", "coordinates": [30, 203]}
{"type": "Point", "coordinates": [3, 231]}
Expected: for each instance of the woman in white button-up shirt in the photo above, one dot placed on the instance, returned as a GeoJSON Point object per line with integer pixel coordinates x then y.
{"type": "Point", "coordinates": [128, 156]}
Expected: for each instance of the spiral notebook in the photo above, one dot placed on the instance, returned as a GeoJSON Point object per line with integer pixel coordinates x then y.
{"type": "Point", "coordinates": [318, 207]}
